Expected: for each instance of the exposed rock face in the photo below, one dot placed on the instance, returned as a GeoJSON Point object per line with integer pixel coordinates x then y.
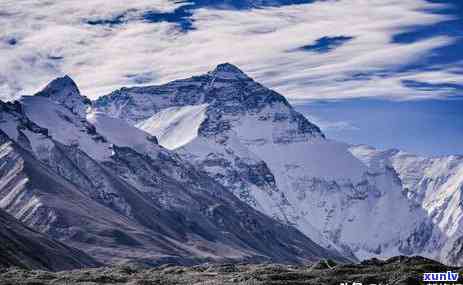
{"type": "Point", "coordinates": [106, 187]}
{"type": "Point", "coordinates": [395, 271]}
{"type": "Point", "coordinates": [250, 140]}
{"type": "Point", "coordinates": [23, 247]}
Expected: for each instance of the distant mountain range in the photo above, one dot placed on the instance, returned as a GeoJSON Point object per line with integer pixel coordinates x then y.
{"type": "Point", "coordinates": [216, 168]}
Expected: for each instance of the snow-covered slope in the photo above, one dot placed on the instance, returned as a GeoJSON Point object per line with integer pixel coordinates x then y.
{"type": "Point", "coordinates": [100, 184]}
{"type": "Point", "coordinates": [176, 126]}
{"type": "Point", "coordinates": [434, 185]}
{"type": "Point", "coordinates": [255, 144]}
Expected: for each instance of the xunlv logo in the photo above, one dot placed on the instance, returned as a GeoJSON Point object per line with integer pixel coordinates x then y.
{"type": "Point", "coordinates": [444, 276]}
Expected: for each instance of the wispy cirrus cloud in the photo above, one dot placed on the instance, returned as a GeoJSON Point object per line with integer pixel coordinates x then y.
{"type": "Point", "coordinates": [41, 40]}
{"type": "Point", "coordinates": [332, 126]}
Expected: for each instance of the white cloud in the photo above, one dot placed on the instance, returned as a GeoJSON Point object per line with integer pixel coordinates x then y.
{"type": "Point", "coordinates": [53, 39]}
{"type": "Point", "coordinates": [335, 126]}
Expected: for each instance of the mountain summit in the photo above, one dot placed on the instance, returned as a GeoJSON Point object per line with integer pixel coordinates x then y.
{"type": "Point", "coordinates": [224, 93]}
{"type": "Point", "coordinates": [61, 86]}
{"type": "Point", "coordinates": [64, 90]}
{"type": "Point", "coordinates": [228, 71]}
{"type": "Point", "coordinates": [250, 139]}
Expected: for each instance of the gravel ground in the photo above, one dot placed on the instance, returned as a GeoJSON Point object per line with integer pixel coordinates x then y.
{"type": "Point", "coordinates": [397, 270]}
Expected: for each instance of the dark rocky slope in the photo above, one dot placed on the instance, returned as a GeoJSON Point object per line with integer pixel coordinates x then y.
{"type": "Point", "coordinates": [23, 247]}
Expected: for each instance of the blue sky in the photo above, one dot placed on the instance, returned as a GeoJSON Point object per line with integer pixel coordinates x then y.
{"type": "Point", "coordinates": [425, 127]}
{"type": "Point", "coordinates": [381, 59]}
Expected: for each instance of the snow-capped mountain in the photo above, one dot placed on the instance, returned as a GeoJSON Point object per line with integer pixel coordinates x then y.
{"type": "Point", "coordinates": [251, 140]}
{"type": "Point", "coordinates": [99, 184]}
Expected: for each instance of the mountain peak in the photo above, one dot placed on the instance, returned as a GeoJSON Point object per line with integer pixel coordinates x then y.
{"type": "Point", "coordinates": [61, 86]}
{"type": "Point", "coordinates": [64, 90]}
{"type": "Point", "coordinates": [228, 71]}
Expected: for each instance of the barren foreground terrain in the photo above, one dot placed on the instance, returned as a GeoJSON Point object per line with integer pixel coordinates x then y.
{"type": "Point", "coordinates": [397, 270]}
